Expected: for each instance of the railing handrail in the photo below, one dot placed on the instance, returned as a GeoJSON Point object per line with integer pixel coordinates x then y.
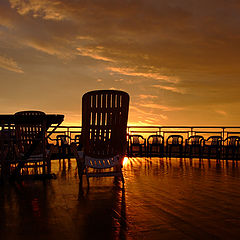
{"type": "Point", "coordinates": [224, 131]}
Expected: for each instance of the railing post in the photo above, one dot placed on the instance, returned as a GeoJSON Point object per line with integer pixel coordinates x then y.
{"type": "Point", "coordinates": [223, 133]}
{"type": "Point", "coordinates": [191, 131]}
{"type": "Point", "coordinates": [68, 132]}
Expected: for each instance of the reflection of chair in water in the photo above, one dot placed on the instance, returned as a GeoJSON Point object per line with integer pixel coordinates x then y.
{"type": "Point", "coordinates": [174, 141]}
{"type": "Point", "coordinates": [213, 145]}
{"type": "Point", "coordinates": [193, 145]}
{"type": "Point", "coordinates": [104, 127]}
{"type": "Point", "coordinates": [104, 211]}
{"type": "Point", "coordinates": [31, 142]}
{"type": "Point", "coordinates": [155, 145]}
{"type": "Point", "coordinates": [230, 147]}
{"type": "Point", "coordinates": [137, 145]}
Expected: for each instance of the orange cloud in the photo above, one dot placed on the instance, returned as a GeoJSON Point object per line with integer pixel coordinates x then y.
{"type": "Point", "coordinates": [49, 10]}
{"type": "Point", "coordinates": [221, 112]}
{"type": "Point", "coordinates": [94, 53]}
{"type": "Point", "coordinates": [133, 72]}
{"type": "Point", "coordinates": [147, 96]}
{"type": "Point", "coordinates": [145, 117]}
{"type": "Point", "coordinates": [171, 89]}
{"type": "Point", "coordinates": [10, 64]}
{"type": "Point", "coordinates": [160, 107]}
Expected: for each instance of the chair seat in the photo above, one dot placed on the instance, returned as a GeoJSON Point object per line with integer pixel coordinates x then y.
{"type": "Point", "coordinates": [100, 163]}
{"type": "Point", "coordinates": [35, 157]}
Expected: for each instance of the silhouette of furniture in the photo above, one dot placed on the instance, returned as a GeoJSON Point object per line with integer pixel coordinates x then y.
{"type": "Point", "coordinates": [9, 122]}
{"type": "Point", "coordinates": [155, 145]}
{"type": "Point", "coordinates": [19, 123]}
{"type": "Point", "coordinates": [137, 145]}
{"type": "Point", "coordinates": [63, 146]}
{"type": "Point", "coordinates": [6, 151]}
{"type": "Point", "coordinates": [231, 147]}
{"type": "Point", "coordinates": [30, 144]}
{"type": "Point", "coordinates": [193, 146]}
{"type": "Point", "coordinates": [174, 142]}
{"type": "Point", "coordinates": [78, 141]}
{"type": "Point", "coordinates": [213, 146]}
{"type": "Point", "coordinates": [104, 129]}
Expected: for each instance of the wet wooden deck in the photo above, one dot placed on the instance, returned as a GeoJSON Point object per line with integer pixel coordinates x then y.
{"type": "Point", "coordinates": [162, 199]}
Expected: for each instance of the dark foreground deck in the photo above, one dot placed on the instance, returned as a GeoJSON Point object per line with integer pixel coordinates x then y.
{"type": "Point", "coordinates": [162, 199]}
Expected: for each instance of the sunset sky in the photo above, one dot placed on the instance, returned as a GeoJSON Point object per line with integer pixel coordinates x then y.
{"type": "Point", "coordinates": [178, 59]}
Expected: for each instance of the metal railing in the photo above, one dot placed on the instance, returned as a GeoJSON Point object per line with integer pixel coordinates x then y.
{"type": "Point", "coordinates": [165, 131]}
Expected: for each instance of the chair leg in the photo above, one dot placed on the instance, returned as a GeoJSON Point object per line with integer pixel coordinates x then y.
{"type": "Point", "coordinates": [80, 164]}
{"type": "Point", "coordinates": [51, 150]}
{"type": "Point", "coordinates": [48, 166]}
{"type": "Point", "coordinates": [122, 179]}
{"type": "Point", "coordinates": [234, 153]}
{"type": "Point", "coordinates": [185, 151]}
{"type": "Point", "coordinates": [43, 166]}
{"type": "Point", "coordinates": [191, 151]}
{"type": "Point", "coordinates": [181, 151]}
{"type": "Point", "coordinates": [162, 151]}
{"type": "Point", "coordinates": [209, 152]}
{"type": "Point", "coordinates": [227, 153]}
{"type": "Point", "coordinates": [218, 152]}
{"type": "Point", "coordinates": [87, 177]}
{"type": "Point", "coordinates": [80, 168]}
{"type": "Point", "coordinates": [200, 151]}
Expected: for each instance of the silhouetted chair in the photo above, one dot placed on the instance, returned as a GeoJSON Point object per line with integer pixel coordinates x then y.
{"type": "Point", "coordinates": [213, 145]}
{"type": "Point", "coordinates": [137, 145]}
{"type": "Point", "coordinates": [78, 141]}
{"type": "Point", "coordinates": [6, 151]}
{"type": "Point", "coordinates": [174, 142]}
{"type": "Point", "coordinates": [231, 146]}
{"type": "Point", "coordinates": [104, 129]}
{"type": "Point", "coordinates": [193, 145]}
{"type": "Point", "coordinates": [63, 145]}
{"type": "Point", "coordinates": [31, 142]}
{"type": "Point", "coordinates": [155, 145]}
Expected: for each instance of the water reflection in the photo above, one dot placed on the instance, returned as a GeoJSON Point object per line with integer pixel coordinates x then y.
{"type": "Point", "coordinates": [162, 198]}
{"type": "Point", "coordinates": [104, 211]}
{"type": "Point", "coordinates": [182, 198]}
{"type": "Point", "coordinates": [63, 209]}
